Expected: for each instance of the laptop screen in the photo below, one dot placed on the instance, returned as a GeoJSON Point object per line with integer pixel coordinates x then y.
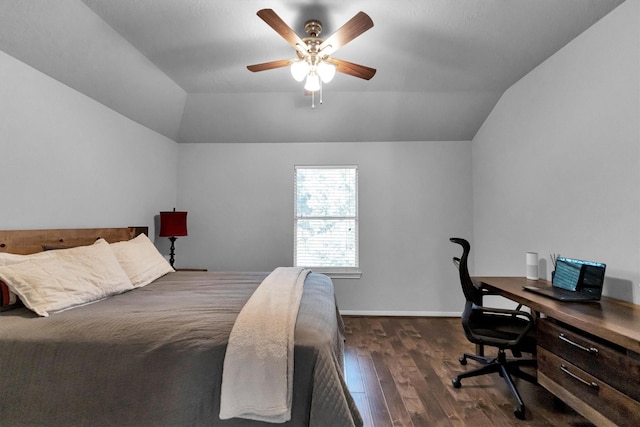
{"type": "Point", "coordinates": [567, 274]}
{"type": "Point", "coordinates": [579, 275]}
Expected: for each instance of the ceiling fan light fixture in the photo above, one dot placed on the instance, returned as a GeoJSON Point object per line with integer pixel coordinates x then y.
{"type": "Point", "coordinates": [299, 70]}
{"type": "Point", "coordinates": [314, 61]}
{"type": "Point", "coordinates": [327, 71]}
{"type": "Point", "coordinates": [313, 83]}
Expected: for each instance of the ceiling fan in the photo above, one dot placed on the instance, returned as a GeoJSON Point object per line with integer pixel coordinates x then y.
{"type": "Point", "coordinates": [314, 61]}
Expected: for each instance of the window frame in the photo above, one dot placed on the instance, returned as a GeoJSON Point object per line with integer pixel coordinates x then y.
{"type": "Point", "coordinates": [333, 272]}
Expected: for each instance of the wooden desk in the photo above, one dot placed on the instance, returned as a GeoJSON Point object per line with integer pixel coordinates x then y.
{"type": "Point", "coordinates": [588, 353]}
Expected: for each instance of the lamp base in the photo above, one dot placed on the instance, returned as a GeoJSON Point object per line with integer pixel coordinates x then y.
{"type": "Point", "coordinates": [172, 250]}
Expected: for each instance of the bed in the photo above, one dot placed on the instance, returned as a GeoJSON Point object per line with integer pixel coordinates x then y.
{"type": "Point", "coordinates": [153, 355]}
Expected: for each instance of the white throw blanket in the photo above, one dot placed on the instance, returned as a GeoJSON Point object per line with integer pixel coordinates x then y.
{"type": "Point", "coordinates": [257, 377]}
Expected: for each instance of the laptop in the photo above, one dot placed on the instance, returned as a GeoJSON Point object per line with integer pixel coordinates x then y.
{"type": "Point", "coordinates": [574, 280]}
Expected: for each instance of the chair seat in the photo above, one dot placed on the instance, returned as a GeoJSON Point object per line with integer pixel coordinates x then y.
{"type": "Point", "coordinates": [501, 327]}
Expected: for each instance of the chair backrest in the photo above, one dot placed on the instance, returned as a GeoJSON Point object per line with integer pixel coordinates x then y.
{"type": "Point", "coordinates": [471, 292]}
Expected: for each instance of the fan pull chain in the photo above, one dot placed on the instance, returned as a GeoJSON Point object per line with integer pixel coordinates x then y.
{"type": "Point", "coordinates": [313, 96]}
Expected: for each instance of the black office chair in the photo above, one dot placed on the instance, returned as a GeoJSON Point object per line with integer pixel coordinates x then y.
{"type": "Point", "coordinates": [505, 329]}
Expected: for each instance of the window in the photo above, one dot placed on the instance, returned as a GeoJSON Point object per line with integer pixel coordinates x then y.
{"type": "Point", "coordinates": [326, 219]}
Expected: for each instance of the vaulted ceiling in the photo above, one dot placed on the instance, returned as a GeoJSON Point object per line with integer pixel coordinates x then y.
{"type": "Point", "coordinates": [179, 66]}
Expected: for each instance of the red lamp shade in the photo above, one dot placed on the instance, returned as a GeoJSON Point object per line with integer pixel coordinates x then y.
{"type": "Point", "coordinates": [173, 224]}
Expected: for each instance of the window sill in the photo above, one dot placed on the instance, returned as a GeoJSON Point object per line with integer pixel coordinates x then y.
{"type": "Point", "coordinates": [338, 274]}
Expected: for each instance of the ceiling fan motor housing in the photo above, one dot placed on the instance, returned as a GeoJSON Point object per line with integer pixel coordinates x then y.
{"type": "Point", "coordinates": [313, 28]}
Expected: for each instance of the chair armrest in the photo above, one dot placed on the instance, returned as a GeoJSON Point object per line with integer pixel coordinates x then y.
{"type": "Point", "coordinates": [492, 310]}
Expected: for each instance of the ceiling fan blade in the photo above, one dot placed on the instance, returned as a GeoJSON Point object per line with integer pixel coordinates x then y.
{"type": "Point", "coordinates": [275, 22]}
{"type": "Point", "coordinates": [357, 25]}
{"type": "Point", "coordinates": [352, 69]}
{"type": "Point", "coordinates": [269, 65]}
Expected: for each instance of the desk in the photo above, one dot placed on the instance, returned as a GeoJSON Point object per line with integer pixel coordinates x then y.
{"type": "Point", "coordinates": [588, 353]}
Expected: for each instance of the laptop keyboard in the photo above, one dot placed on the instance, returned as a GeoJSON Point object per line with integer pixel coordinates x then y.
{"type": "Point", "coordinates": [564, 292]}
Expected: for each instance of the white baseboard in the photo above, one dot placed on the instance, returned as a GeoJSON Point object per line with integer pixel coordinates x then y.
{"type": "Point", "coordinates": [401, 313]}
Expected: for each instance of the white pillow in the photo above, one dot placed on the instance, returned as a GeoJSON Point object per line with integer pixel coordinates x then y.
{"type": "Point", "coordinates": [141, 260]}
{"type": "Point", "coordinates": [8, 259]}
{"type": "Point", "coordinates": [55, 280]}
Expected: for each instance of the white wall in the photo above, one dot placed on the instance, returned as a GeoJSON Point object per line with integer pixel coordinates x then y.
{"type": "Point", "coordinates": [69, 162]}
{"type": "Point", "coordinates": [413, 196]}
{"type": "Point", "coordinates": [556, 166]}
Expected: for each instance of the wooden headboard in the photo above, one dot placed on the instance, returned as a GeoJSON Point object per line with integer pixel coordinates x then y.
{"type": "Point", "coordinates": [26, 242]}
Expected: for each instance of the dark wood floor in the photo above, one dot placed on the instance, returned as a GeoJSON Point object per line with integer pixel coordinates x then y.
{"type": "Point", "coordinates": [399, 372]}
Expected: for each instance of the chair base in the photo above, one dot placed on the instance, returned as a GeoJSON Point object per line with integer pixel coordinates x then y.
{"type": "Point", "coordinates": [505, 368]}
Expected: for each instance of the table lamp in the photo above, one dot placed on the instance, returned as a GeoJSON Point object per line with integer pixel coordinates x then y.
{"type": "Point", "coordinates": [172, 225]}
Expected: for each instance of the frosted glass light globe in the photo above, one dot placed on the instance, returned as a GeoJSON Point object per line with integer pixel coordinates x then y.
{"type": "Point", "coordinates": [326, 71]}
{"type": "Point", "coordinates": [313, 83]}
{"type": "Point", "coordinates": [299, 70]}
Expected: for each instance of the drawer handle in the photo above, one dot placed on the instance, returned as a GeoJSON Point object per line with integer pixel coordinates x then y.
{"type": "Point", "coordinates": [590, 350]}
{"type": "Point", "coordinates": [591, 384]}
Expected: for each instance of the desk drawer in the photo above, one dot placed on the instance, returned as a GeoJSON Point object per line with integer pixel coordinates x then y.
{"type": "Point", "coordinates": [587, 393]}
{"type": "Point", "coordinates": [599, 358]}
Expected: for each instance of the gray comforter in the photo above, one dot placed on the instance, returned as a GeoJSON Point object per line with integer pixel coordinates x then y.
{"type": "Point", "coordinates": [153, 357]}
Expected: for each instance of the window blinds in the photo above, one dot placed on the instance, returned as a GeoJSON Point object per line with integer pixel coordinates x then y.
{"type": "Point", "coordinates": [326, 216]}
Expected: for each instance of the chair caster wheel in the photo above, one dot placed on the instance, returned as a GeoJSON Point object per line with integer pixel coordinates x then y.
{"type": "Point", "coordinates": [462, 360]}
{"type": "Point", "coordinates": [456, 383]}
{"type": "Point", "coordinates": [519, 413]}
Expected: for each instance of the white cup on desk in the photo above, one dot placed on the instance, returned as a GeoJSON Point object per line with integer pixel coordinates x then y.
{"type": "Point", "coordinates": [532, 265]}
